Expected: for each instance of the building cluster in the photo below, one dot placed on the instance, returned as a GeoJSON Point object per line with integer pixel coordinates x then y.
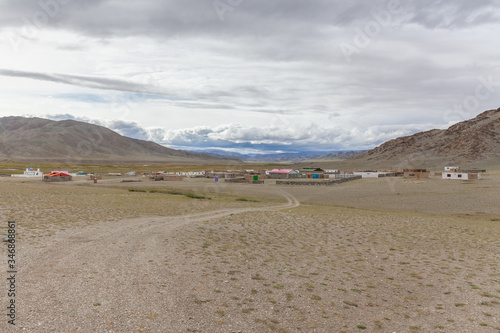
{"type": "Point", "coordinates": [258, 176]}
{"type": "Point", "coordinates": [318, 173]}
{"type": "Point", "coordinates": [53, 176]}
{"type": "Point", "coordinates": [454, 172]}
{"type": "Point", "coordinates": [450, 172]}
{"type": "Point", "coordinates": [244, 176]}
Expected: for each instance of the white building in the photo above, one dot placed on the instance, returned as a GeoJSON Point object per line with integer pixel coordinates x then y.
{"type": "Point", "coordinates": [282, 172]}
{"type": "Point", "coordinates": [188, 174]}
{"type": "Point", "coordinates": [370, 174]}
{"type": "Point", "coordinates": [31, 173]}
{"type": "Point", "coordinates": [460, 175]}
{"type": "Point", "coordinates": [452, 168]}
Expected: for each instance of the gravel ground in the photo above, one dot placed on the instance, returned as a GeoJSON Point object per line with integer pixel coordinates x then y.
{"type": "Point", "coordinates": [120, 261]}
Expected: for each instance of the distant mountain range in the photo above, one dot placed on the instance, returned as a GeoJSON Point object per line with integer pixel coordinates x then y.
{"type": "Point", "coordinates": [41, 140]}
{"type": "Point", "coordinates": [468, 142]}
{"type": "Point", "coordinates": [44, 140]}
{"type": "Point", "coordinates": [284, 157]}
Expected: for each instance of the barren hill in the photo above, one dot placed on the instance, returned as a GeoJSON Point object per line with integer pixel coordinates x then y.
{"type": "Point", "coordinates": [469, 142]}
{"type": "Point", "coordinates": [37, 139]}
{"type": "Point", "coordinates": [338, 156]}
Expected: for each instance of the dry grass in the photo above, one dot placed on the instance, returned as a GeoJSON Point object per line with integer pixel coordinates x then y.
{"type": "Point", "coordinates": [326, 267]}
{"type": "Point", "coordinates": [369, 255]}
{"type": "Point", "coordinates": [7, 167]}
{"type": "Point", "coordinates": [45, 208]}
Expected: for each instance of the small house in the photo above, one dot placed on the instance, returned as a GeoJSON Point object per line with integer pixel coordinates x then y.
{"type": "Point", "coordinates": [57, 176]}
{"type": "Point", "coordinates": [283, 173]}
{"type": "Point", "coordinates": [416, 173]}
{"type": "Point", "coordinates": [460, 175]}
{"type": "Point", "coordinates": [30, 172]}
{"type": "Point", "coordinates": [371, 174]}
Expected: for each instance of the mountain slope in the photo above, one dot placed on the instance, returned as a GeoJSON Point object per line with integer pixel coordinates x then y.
{"type": "Point", "coordinates": [338, 156]}
{"type": "Point", "coordinates": [30, 139]}
{"type": "Point", "coordinates": [467, 142]}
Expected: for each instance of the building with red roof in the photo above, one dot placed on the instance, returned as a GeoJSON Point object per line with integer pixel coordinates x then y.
{"type": "Point", "coordinates": [57, 176]}
{"type": "Point", "coordinates": [283, 173]}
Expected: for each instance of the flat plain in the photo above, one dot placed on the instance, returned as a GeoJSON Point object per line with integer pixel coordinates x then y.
{"type": "Point", "coordinates": [373, 255]}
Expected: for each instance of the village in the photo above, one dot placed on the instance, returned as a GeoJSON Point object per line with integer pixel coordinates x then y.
{"type": "Point", "coordinates": [281, 176]}
{"type": "Point", "coordinates": [212, 237]}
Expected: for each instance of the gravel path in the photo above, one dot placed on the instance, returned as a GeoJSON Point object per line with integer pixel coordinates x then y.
{"type": "Point", "coordinates": [107, 277]}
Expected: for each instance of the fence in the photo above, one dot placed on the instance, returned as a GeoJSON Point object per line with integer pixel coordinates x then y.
{"type": "Point", "coordinates": [317, 183]}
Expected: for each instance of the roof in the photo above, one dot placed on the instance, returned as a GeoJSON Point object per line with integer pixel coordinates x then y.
{"type": "Point", "coordinates": [311, 169]}
{"type": "Point", "coordinates": [284, 171]}
{"type": "Point", "coordinates": [57, 174]}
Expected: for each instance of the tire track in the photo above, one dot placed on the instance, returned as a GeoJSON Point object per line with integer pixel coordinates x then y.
{"type": "Point", "coordinates": [107, 272]}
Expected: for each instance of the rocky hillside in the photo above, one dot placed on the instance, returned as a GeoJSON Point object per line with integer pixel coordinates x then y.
{"type": "Point", "coordinates": [37, 139]}
{"type": "Point", "coordinates": [339, 155]}
{"type": "Point", "coordinates": [467, 142]}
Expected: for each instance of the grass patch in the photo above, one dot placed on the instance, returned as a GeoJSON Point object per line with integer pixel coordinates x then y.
{"type": "Point", "coordinates": [245, 199]}
{"type": "Point", "coordinates": [171, 192]}
{"type": "Point", "coordinates": [351, 303]}
{"type": "Point", "coordinates": [195, 196]}
{"type": "Point", "coordinates": [136, 190]}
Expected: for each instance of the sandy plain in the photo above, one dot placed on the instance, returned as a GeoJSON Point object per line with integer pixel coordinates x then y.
{"type": "Point", "coordinates": [372, 255]}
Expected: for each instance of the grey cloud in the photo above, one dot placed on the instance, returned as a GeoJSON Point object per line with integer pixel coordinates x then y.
{"type": "Point", "coordinates": [449, 14]}
{"type": "Point", "coordinates": [208, 98]}
{"type": "Point", "coordinates": [213, 94]}
{"type": "Point", "coordinates": [300, 138]}
{"type": "Point", "coordinates": [83, 81]}
{"type": "Point", "coordinates": [66, 116]}
{"type": "Point", "coordinates": [129, 129]}
{"type": "Point", "coordinates": [177, 18]}
{"type": "Point", "coordinates": [126, 128]}
{"type": "Point", "coordinates": [282, 57]}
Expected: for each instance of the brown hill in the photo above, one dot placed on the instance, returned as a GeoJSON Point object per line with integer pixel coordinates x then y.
{"type": "Point", "coordinates": [44, 140]}
{"type": "Point", "coordinates": [337, 156]}
{"type": "Point", "coordinates": [469, 143]}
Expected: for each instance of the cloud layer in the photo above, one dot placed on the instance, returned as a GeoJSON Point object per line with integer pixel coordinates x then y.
{"type": "Point", "coordinates": [272, 75]}
{"type": "Point", "coordinates": [272, 138]}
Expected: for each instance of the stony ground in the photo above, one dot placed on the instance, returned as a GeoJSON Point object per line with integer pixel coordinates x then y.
{"type": "Point", "coordinates": [370, 255]}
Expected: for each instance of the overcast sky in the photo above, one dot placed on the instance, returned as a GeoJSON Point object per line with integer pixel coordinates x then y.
{"type": "Point", "coordinates": [252, 75]}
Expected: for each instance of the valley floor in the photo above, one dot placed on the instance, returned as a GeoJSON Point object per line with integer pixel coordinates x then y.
{"type": "Point", "coordinates": [375, 255]}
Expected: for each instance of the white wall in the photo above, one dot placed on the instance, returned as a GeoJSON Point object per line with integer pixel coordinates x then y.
{"type": "Point", "coordinates": [455, 175]}
{"type": "Point", "coordinates": [368, 174]}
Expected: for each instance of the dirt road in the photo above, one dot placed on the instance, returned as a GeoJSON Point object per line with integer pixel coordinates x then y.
{"type": "Point", "coordinates": [107, 277]}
